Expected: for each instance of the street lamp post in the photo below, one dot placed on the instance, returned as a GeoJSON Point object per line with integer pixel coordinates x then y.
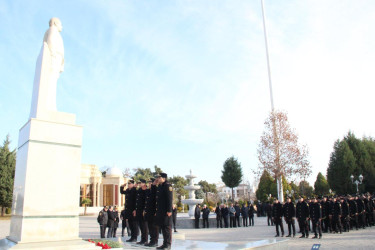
{"type": "Point", "coordinates": [357, 182]}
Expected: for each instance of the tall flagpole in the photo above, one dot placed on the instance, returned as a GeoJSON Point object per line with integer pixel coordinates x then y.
{"type": "Point", "coordinates": [279, 178]}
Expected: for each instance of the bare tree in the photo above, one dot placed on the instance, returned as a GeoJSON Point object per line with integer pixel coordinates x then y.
{"type": "Point", "coordinates": [279, 151]}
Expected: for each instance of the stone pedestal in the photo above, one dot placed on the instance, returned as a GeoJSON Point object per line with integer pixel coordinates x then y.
{"type": "Point", "coordinates": [46, 189]}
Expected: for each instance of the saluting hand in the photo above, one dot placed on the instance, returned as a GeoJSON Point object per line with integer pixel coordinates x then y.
{"type": "Point", "coordinates": [169, 214]}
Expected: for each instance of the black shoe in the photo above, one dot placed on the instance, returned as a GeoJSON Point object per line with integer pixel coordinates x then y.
{"type": "Point", "coordinates": [294, 235]}
{"type": "Point", "coordinates": [152, 244]}
{"type": "Point", "coordinates": [315, 237]}
{"type": "Point", "coordinates": [320, 236]}
{"type": "Point", "coordinates": [161, 247]}
{"type": "Point", "coordinates": [141, 243]}
{"type": "Point", "coordinates": [307, 236]}
{"type": "Point", "coordinates": [175, 231]}
{"type": "Point", "coordinates": [277, 235]}
{"type": "Point", "coordinates": [303, 236]}
{"type": "Point", "coordinates": [288, 235]}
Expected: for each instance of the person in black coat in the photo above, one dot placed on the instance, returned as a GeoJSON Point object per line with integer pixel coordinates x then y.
{"type": "Point", "coordinates": [245, 215]}
{"type": "Point", "coordinates": [140, 207]}
{"type": "Point", "coordinates": [237, 215]}
{"type": "Point", "coordinates": [277, 213]}
{"type": "Point", "coordinates": [289, 216]}
{"type": "Point", "coordinates": [163, 215]}
{"type": "Point", "coordinates": [197, 215]}
{"type": "Point", "coordinates": [117, 221]}
{"type": "Point", "coordinates": [353, 212]}
{"type": "Point", "coordinates": [111, 222]}
{"type": "Point", "coordinates": [316, 217]}
{"type": "Point", "coordinates": [251, 214]}
{"type": "Point", "coordinates": [103, 221]}
{"type": "Point", "coordinates": [123, 223]}
{"type": "Point", "coordinates": [130, 212]}
{"type": "Point", "coordinates": [219, 216]}
{"type": "Point", "coordinates": [205, 214]}
{"type": "Point", "coordinates": [302, 214]}
{"type": "Point", "coordinates": [269, 214]}
{"type": "Point", "coordinates": [361, 212]}
{"type": "Point", "coordinates": [150, 209]}
{"type": "Point", "coordinates": [336, 213]}
{"type": "Point", "coordinates": [225, 214]}
{"type": "Point", "coordinates": [345, 218]}
{"type": "Point", "coordinates": [174, 217]}
{"type": "Point", "coordinates": [326, 223]}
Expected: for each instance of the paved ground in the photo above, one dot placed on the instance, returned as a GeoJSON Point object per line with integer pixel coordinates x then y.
{"type": "Point", "coordinates": [198, 238]}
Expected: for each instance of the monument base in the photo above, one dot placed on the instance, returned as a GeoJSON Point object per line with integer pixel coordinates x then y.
{"type": "Point", "coordinates": [6, 244]}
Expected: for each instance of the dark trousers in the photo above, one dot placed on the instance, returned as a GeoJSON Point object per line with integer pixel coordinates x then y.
{"type": "Point", "coordinates": [291, 226]}
{"type": "Point", "coordinates": [362, 219]}
{"type": "Point", "coordinates": [317, 227]}
{"type": "Point", "coordinates": [336, 224]}
{"type": "Point", "coordinates": [174, 219]}
{"type": "Point", "coordinates": [219, 222]}
{"type": "Point", "coordinates": [303, 227]}
{"type": "Point", "coordinates": [279, 223]}
{"type": "Point", "coordinates": [251, 220]}
{"type": "Point", "coordinates": [123, 226]}
{"type": "Point", "coordinates": [232, 221]}
{"type": "Point", "coordinates": [110, 232]}
{"type": "Point", "coordinates": [154, 230]}
{"type": "Point", "coordinates": [196, 222]}
{"type": "Point", "coordinates": [205, 222]}
{"type": "Point", "coordinates": [345, 222]}
{"type": "Point", "coordinates": [238, 223]}
{"type": "Point", "coordinates": [269, 220]}
{"type": "Point", "coordinates": [327, 224]}
{"type": "Point", "coordinates": [354, 221]}
{"type": "Point", "coordinates": [244, 221]}
{"type": "Point", "coordinates": [102, 230]}
{"type": "Point", "coordinates": [166, 229]}
{"type": "Point", "coordinates": [226, 221]}
{"type": "Point", "coordinates": [133, 227]}
{"type": "Point", "coordinates": [114, 232]}
{"type": "Point", "coordinates": [143, 225]}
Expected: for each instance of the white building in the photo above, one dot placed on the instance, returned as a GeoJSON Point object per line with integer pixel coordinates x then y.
{"type": "Point", "coordinates": [103, 191]}
{"type": "Point", "coordinates": [244, 191]}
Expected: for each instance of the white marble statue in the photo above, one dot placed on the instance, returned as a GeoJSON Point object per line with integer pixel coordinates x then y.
{"type": "Point", "coordinates": [49, 65]}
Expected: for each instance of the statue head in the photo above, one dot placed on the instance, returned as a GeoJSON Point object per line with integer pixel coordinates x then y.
{"type": "Point", "coordinates": [55, 22]}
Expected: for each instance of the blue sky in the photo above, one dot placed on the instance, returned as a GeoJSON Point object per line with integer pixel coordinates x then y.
{"type": "Point", "coordinates": [183, 84]}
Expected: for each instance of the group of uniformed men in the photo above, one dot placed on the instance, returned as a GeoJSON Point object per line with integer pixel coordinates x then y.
{"type": "Point", "coordinates": [149, 207]}
{"type": "Point", "coordinates": [335, 214]}
{"type": "Point", "coordinates": [231, 215]}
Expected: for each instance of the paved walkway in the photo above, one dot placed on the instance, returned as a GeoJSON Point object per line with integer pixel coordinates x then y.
{"type": "Point", "coordinates": [198, 238]}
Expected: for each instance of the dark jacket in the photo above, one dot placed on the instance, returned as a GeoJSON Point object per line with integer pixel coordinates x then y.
{"type": "Point", "coordinates": [130, 199]}
{"type": "Point", "coordinates": [164, 196]}
{"type": "Point", "coordinates": [245, 211]}
{"type": "Point", "coordinates": [218, 213]}
{"type": "Point", "coordinates": [251, 210]}
{"type": "Point", "coordinates": [117, 219]}
{"type": "Point", "coordinates": [302, 210]}
{"type": "Point", "coordinates": [277, 210]}
{"type": "Point", "coordinates": [197, 212]}
{"type": "Point", "coordinates": [353, 207]}
{"type": "Point", "coordinates": [111, 219]}
{"type": "Point", "coordinates": [289, 210]}
{"type": "Point", "coordinates": [150, 203]}
{"type": "Point", "coordinates": [238, 210]}
{"type": "Point", "coordinates": [315, 211]}
{"type": "Point", "coordinates": [140, 202]}
{"type": "Point", "coordinates": [205, 213]}
{"type": "Point", "coordinates": [225, 212]}
{"type": "Point", "coordinates": [103, 217]}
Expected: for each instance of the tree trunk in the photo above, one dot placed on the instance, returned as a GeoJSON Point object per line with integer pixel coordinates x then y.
{"type": "Point", "coordinates": [84, 213]}
{"type": "Point", "coordinates": [2, 211]}
{"type": "Point", "coordinates": [280, 192]}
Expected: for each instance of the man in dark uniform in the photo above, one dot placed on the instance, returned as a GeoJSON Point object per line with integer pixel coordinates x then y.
{"type": "Point", "coordinates": [123, 219]}
{"type": "Point", "coordinates": [130, 199]}
{"type": "Point", "coordinates": [325, 215]}
{"type": "Point", "coordinates": [245, 215]}
{"type": "Point", "coordinates": [205, 214]}
{"type": "Point", "coordinates": [225, 214]}
{"type": "Point", "coordinates": [302, 214]}
{"type": "Point", "coordinates": [251, 214]}
{"type": "Point", "coordinates": [316, 217]}
{"type": "Point", "coordinates": [164, 210]}
{"type": "Point", "coordinates": [117, 221]}
{"type": "Point", "coordinates": [197, 215]}
{"type": "Point", "coordinates": [140, 207]}
{"type": "Point", "coordinates": [289, 216]}
{"type": "Point", "coordinates": [277, 213]}
{"type": "Point", "coordinates": [219, 221]}
{"type": "Point", "coordinates": [345, 218]}
{"type": "Point", "coordinates": [336, 213]}
{"type": "Point", "coordinates": [111, 222]}
{"type": "Point", "coordinates": [353, 212]}
{"type": "Point", "coordinates": [361, 212]}
{"type": "Point", "coordinates": [150, 209]}
{"type": "Point", "coordinates": [103, 221]}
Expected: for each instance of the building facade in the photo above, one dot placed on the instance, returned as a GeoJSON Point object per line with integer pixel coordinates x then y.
{"type": "Point", "coordinates": [101, 190]}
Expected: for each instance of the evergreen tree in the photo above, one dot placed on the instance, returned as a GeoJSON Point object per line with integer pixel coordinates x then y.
{"type": "Point", "coordinates": [305, 189]}
{"type": "Point", "coordinates": [266, 186]}
{"type": "Point", "coordinates": [7, 171]}
{"type": "Point", "coordinates": [342, 164]}
{"type": "Point", "coordinates": [321, 185]}
{"type": "Point", "coordinates": [369, 171]}
{"type": "Point", "coordinates": [232, 173]}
